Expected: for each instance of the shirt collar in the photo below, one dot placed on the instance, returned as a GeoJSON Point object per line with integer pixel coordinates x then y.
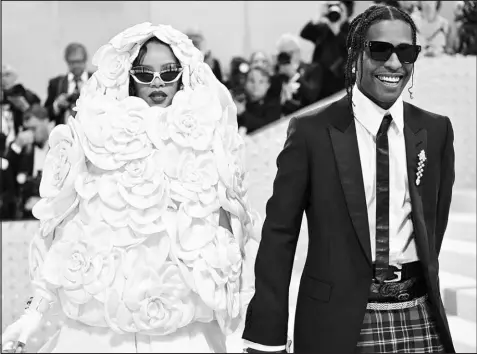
{"type": "Point", "coordinates": [83, 77]}
{"type": "Point", "coordinates": [370, 115]}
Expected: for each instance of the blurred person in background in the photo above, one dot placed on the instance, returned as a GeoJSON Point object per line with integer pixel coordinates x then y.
{"type": "Point", "coordinates": [7, 184]}
{"type": "Point", "coordinates": [262, 60]}
{"type": "Point", "coordinates": [258, 109]}
{"type": "Point", "coordinates": [295, 83]}
{"type": "Point", "coordinates": [26, 156]}
{"type": "Point", "coordinates": [409, 7]}
{"type": "Point", "coordinates": [432, 28]}
{"type": "Point", "coordinates": [239, 68]}
{"type": "Point", "coordinates": [64, 90]}
{"type": "Point", "coordinates": [465, 28]}
{"type": "Point", "coordinates": [14, 96]}
{"type": "Point", "coordinates": [195, 34]}
{"type": "Point", "coordinates": [328, 30]}
{"type": "Point", "coordinates": [393, 3]}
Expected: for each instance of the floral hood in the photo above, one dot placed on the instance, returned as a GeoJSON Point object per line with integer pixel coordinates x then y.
{"type": "Point", "coordinates": [147, 206]}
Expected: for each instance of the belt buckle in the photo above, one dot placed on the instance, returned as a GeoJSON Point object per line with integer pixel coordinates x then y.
{"type": "Point", "coordinates": [395, 280]}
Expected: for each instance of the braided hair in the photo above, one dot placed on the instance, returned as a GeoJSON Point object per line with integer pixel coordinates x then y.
{"type": "Point", "coordinates": [357, 37]}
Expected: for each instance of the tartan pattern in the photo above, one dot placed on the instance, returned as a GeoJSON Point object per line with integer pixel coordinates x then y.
{"type": "Point", "coordinates": [410, 330]}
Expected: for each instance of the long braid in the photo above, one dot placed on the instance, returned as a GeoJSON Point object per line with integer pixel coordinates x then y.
{"type": "Point", "coordinates": [357, 37]}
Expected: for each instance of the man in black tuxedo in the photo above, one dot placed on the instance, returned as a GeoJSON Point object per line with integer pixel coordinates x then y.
{"type": "Point", "coordinates": [26, 157]}
{"type": "Point", "coordinates": [374, 175]}
{"type": "Point", "coordinates": [64, 90]}
{"type": "Point", "coordinates": [328, 31]}
{"type": "Point", "coordinates": [14, 96]}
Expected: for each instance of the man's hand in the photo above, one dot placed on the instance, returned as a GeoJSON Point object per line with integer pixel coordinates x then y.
{"type": "Point", "coordinates": [288, 69]}
{"type": "Point", "coordinates": [25, 137]}
{"type": "Point", "coordinates": [19, 102]}
{"type": "Point", "coordinates": [62, 101]}
{"type": "Point", "coordinates": [320, 13]}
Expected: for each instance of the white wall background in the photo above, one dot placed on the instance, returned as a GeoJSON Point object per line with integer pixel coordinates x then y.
{"type": "Point", "coordinates": [35, 33]}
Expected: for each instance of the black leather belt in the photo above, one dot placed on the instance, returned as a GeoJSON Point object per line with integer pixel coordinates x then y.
{"type": "Point", "coordinates": [401, 285]}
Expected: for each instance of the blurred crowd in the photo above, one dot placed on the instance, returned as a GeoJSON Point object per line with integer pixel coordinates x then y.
{"type": "Point", "coordinates": [265, 86]}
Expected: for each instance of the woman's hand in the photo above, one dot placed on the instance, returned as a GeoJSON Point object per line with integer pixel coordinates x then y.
{"type": "Point", "coordinates": [17, 334]}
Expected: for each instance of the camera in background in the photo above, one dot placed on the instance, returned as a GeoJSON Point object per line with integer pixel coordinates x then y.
{"type": "Point", "coordinates": [334, 12]}
{"type": "Point", "coordinates": [283, 58]}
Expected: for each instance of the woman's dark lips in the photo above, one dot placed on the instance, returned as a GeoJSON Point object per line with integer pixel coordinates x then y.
{"type": "Point", "coordinates": [158, 96]}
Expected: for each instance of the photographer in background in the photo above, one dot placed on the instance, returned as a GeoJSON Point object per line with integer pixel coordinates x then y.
{"type": "Point", "coordinates": [295, 83]}
{"type": "Point", "coordinates": [7, 184]}
{"type": "Point", "coordinates": [15, 98]}
{"type": "Point", "coordinates": [465, 28]}
{"type": "Point", "coordinates": [26, 157]}
{"type": "Point", "coordinates": [64, 90]}
{"type": "Point", "coordinates": [239, 68]}
{"type": "Point", "coordinates": [328, 31]}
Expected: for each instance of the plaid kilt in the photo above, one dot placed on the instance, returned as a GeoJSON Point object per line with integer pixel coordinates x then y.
{"type": "Point", "coordinates": [410, 330]}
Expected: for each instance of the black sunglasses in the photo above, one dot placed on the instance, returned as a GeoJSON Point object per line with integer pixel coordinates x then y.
{"type": "Point", "coordinates": [382, 51]}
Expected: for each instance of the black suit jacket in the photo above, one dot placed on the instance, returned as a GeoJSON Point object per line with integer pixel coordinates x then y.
{"type": "Point", "coordinates": [330, 55]}
{"type": "Point", "coordinates": [311, 83]}
{"type": "Point", "coordinates": [319, 172]}
{"type": "Point", "coordinates": [28, 95]}
{"type": "Point", "coordinates": [56, 87]}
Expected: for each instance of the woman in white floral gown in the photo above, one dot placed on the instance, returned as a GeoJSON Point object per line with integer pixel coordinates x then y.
{"type": "Point", "coordinates": [146, 235]}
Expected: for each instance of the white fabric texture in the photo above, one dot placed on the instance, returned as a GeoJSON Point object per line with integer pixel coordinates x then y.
{"type": "Point", "coordinates": [146, 234]}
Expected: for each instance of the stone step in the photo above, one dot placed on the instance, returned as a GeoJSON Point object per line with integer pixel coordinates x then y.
{"type": "Point", "coordinates": [463, 334]}
{"type": "Point", "coordinates": [458, 257]}
{"type": "Point", "coordinates": [458, 295]}
{"type": "Point", "coordinates": [460, 302]}
{"type": "Point", "coordinates": [466, 304]}
{"type": "Point", "coordinates": [461, 226]}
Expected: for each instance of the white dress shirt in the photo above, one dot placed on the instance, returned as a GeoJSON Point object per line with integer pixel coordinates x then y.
{"type": "Point", "coordinates": [71, 82]}
{"type": "Point", "coordinates": [368, 118]}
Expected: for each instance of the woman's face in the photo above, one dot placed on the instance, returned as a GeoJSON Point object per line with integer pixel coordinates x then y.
{"type": "Point", "coordinates": [159, 57]}
{"type": "Point", "coordinates": [257, 85]}
{"type": "Point", "coordinates": [260, 59]}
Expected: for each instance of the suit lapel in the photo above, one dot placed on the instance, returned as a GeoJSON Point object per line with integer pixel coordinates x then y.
{"type": "Point", "coordinates": [345, 146]}
{"type": "Point", "coordinates": [64, 84]}
{"type": "Point", "coordinates": [416, 140]}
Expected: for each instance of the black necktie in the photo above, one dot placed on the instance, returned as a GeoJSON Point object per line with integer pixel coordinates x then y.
{"type": "Point", "coordinates": [382, 200]}
{"type": "Point", "coordinates": [77, 80]}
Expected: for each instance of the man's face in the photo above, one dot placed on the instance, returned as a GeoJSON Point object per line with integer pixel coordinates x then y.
{"type": "Point", "coordinates": [377, 79]}
{"type": "Point", "coordinates": [39, 127]}
{"type": "Point", "coordinates": [429, 8]}
{"type": "Point", "coordinates": [8, 79]}
{"type": "Point", "coordinates": [76, 62]}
